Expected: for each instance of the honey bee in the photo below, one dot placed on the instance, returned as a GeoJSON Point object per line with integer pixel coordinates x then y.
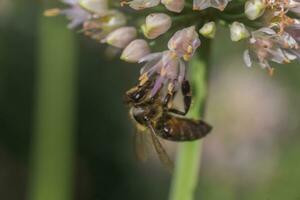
{"type": "Point", "coordinates": [156, 116]}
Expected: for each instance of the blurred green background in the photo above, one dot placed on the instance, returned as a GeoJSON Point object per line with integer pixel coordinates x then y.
{"type": "Point", "coordinates": [65, 133]}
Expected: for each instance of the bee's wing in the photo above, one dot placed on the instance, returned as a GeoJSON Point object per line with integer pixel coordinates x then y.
{"type": "Point", "coordinates": [141, 142]}
{"type": "Point", "coordinates": [162, 154]}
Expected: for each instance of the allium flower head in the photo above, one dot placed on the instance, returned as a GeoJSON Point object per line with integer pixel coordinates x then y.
{"type": "Point", "coordinates": [271, 28]}
{"type": "Point", "coordinates": [135, 28]}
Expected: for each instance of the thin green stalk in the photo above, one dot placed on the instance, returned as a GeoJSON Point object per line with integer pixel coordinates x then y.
{"type": "Point", "coordinates": [189, 153]}
{"type": "Point", "coordinates": [53, 139]}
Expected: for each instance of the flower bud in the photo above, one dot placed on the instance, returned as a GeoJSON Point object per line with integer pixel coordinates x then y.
{"type": "Point", "coordinates": [136, 50]}
{"type": "Point", "coordinates": [203, 4]}
{"type": "Point", "coordinates": [174, 5]}
{"type": "Point", "coordinates": [238, 31]}
{"type": "Point", "coordinates": [121, 37]}
{"type": "Point", "coordinates": [254, 9]}
{"type": "Point", "coordinates": [94, 6]}
{"type": "Point", "coordinates": [185, 42]}
{"type": "Point", "coordinates": [208, 30]}
{"type": "Point", "coordinates": [114, 19]}
{"type": "Point", "coordinates": [142, 4]}
{"type": "Point", "coordinates": [156, 25]}
{"type": "Point", "coordinates": [98, 28]}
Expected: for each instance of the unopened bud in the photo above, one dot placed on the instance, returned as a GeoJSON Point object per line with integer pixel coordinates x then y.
{"type": "Point", "coordinates": [95, 6]}
{"type": "Point", "coordinates": [254, 9]}
{"type": "Point", "coordinates": [136, 50]}
{"type": "Point", "coordinates": [174, 5]}
{"type": "Point", "coordinates": [208, 30]}
{"type": "Point", "coordinates": [238, 31]}
{"type": "Point", "coordinates": [203, 4]}
{"type": "Point", "coordinates": [121, 37]}
{"type": "Point", "coordinates": [156, 25]}
{"type": "Point", "coordinates": [142, 4]}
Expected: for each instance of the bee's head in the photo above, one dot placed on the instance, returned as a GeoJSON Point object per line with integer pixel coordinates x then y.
{"type": "Point", "coordinates": [135, 96]}
{"type": "Point", "coordinates": [145, 113]}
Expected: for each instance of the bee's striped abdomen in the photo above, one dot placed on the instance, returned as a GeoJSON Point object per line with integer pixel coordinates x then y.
{"type": "Point", "coordinates": [182, 129]}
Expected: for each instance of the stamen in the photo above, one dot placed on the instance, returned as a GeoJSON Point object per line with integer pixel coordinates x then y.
{"type": "Point", "coordinates": [52, 12]}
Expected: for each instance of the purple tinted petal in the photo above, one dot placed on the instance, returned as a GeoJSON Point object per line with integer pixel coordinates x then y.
{"type": "Point", "coordinates": [150, 57]}
{"type": "Point", "coordinates": [181, 75]}
{"type": "Point", "coordinates": [157, 85]}
{"type": "Point", "coordinates": [247, 58]}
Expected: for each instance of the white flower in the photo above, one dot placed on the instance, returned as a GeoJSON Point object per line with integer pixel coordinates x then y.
{"type": "Point", "coordinates": [99, 7]}
{"type": "Point", "coordinates": [174, 5]}
{"type": "Point", "coordinates": [142, 4]}
{"type": "Point", "coordinates": [80, 11]}
{"type": "Point", "coordinates": [208, 30]}
{"type": "Point", "coordinates": [254, 8]}
{"type": "Point", "coordinates": [238, 31]}
{"type": "Point", "coordinates": [135, 50]}
{"type": "Point", "coordinates": [98, 28]}
{"type": "Point", "coordinates": [185, 42]}
{"type": "Point", "coordinates": [121, 37]}
{"type": "Point", "coordinates": [156, 24]}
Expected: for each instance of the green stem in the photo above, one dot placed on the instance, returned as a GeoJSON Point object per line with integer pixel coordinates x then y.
{"type": "Point", "coordinates": [53, 139]}
{"type": "Point", "coordinates": [189, 153]}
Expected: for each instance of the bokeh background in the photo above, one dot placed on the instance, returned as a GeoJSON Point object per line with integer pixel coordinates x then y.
{"type": "Point", "coordinates": [65, 133]}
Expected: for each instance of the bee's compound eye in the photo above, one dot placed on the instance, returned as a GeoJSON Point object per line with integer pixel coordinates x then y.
{"type": "Point", "coordinates": [146, 118]}
{"type": "Point", "coordinates": [138, 95]}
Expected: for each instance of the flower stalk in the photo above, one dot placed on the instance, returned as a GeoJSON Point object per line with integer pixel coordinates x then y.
{"type": "Point", "coordinates": [52, 150]}
{"type": "Point", "coordinates": [187, 166]}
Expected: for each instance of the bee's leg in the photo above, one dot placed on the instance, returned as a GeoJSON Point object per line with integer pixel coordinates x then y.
{"type": "Point", "coordinates": [178, 112]}
{"type": "Point", "coordinates": [170, 96]}
{"type": "Point", "coordinates": [187, 99]}
{"type": "Point", "coordinates": [187, 95]}
{"type": "Point", "coordinates": [143, 79]}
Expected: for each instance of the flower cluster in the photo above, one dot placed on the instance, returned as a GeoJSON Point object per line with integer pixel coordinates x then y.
{"type": "Point", "coordinates": [271, 27]}
{"type": "Point", "coordinates": [168, 66]}
{"type": "Point", "coordinates": [278, 38]}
